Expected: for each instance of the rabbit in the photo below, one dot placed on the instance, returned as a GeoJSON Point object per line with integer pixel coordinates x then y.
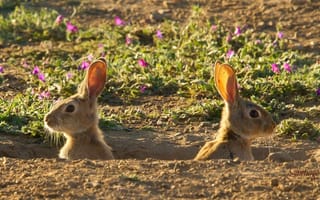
{"type": "Point", "coordinates": [241, 122]}
{"type": "Point", "coordinates": [77, 118]}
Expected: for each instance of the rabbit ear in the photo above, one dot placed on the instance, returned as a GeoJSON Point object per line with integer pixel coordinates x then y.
{"type": "Point", "coordinates": [95, 79]}
{"type": "Point", "coordinates": [226, 82]}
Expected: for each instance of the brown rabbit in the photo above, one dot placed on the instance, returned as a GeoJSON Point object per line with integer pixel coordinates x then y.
{"type": "Point", "coordinates": [76, 117]}
{"type": "Point", "coordinates": [241, 122]}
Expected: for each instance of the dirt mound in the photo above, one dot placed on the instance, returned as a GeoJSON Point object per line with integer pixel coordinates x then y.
{"type": "Point", "coordinates": [155, 179]}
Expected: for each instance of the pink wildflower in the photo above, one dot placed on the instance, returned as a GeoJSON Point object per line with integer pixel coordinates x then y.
{"type": "Point", "coordinates": [71, 28]}
{"type": "Point", "coordinates": [143, 88]}
{"type": "Point", "coordinates": [35, 70]}
{"type": "Point", "coordinates": [44, 95]}
{"type": "Point", "coordinates": [69, 75]}
{"type": "Point", "coordinates": [287, 67]}
{"type": "Point", "coordinates": [59, 19]}
{"type": "Point", "coordinates": [118, 21]}
{"type": "Point", "coordinates": [275, 68]}
{"type": "Point", "coordinates": [84, 65]}
{"type": "Point", "coordinates": [237, 31]}
{"type": "Point", "coordinates": [214, 28]}
{"type": "Point", "coordinates": [159, 34]}
{"type": "Point", "coordinates": [142, 63]}
{"type": "Point", "coordinates": [41, 77]}
{"type": "Point", "coordinates": [230, 54]}
{"type": "Point", "coordinates": [128, 40]}
{"type": "Point", "coordinates": [280, 35]}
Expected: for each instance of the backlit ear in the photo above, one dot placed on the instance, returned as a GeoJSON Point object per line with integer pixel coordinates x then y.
{"type": "Point", "coordinates": [96, 77]}
{"type": "Point", "coordinates": [226, 82]}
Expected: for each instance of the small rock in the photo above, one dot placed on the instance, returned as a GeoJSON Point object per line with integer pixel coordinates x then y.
{"type": "Point", "coordinates": [167, 4]}
{"type": "Point", "coordinates": [261, 23]}
{"type": "Point", "coordinates": [186, 130]}
{"type": "Point", "coordinates": [313, 160]}
{"type": "Point", "coordinates": [96, 184]}
{"type": "Point", "coordinates": [177, 134]}
{"type": "Point", "coordinates": [284, 188]}
{"type": "Point", "coordinates": [73, 184]}
{"type": "Point", "coordinates": [24, 175]}
{"type": "Point", "coordinates": [215, 125]}
{"type": "Point", "coordinates": [274, 182]}
{"type": "Point", "coordinates": [317, 156]}
{"type": "Point", "coordinates": [204, 124]}
{"type": "Point", "coordinates": [88, 185]}
{"type": "Point", "coordinates": [270, 23]}
{"type": "Point", "coordinates": [298, 2]}
{"type": "Point", "coordinates": [159, 122]}
{"type": "Point", "coordinates": [156, 16]}
{"type": "Point", "coordinates": [279, 157]}
{"type": "Point", "coordinates": [163, 11]}
{"type": "Point", "coordinates": [287, 165]}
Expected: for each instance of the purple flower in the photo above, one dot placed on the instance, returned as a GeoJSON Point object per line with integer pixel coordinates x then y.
{"type": "Point", "coordinates": [280, 35]}
{"type": "Point", "coordinates": [228, 38]}
{"type": "Point", "coordinates": [59, 19]}
{"type": "Point", "coordinates": [24, 63]}
{"type": "Point", "coordinates": [159, 34]}
{"type": "Point", "coordinates": [84, 65]}
{"type": "Point", "coordinates": [287, 67]}
{"type": "Point", "coordinates": [41, 77]}
{"type": "Point", "coordinates": [101, 49]}
{"type": "Point", "coordinates": [142, 63]}
{"type": "Point", "coordinates": [71, 28]}
{"type": "Point", "coordinates": [69, 75]}
{"type": "Point", "coordinates": [118, 21]}
{"type": "Point", "coordinates": [128, 40]}
{"type": "Point", "coordinates": [237, 31]}
{"type": "Point", "coordinates": [143, 88]}
{"type": "Point", "coordinates": [214, 27]}
{"type": "Point", "coordinates": [275, 43]}
{"type": "Point", "coordinates": [230, 53]}
{"type": "Point", "coordinates": [44, 95]}
{"type": "Point", "coordinates": [275, 68]}
{"type": "Point", "coordinates": [258, 41]}
{"type": "Point", "coordinates": [318, 92]}
{"type": "Point", "coordinates": [100, 46]}
{"type": "Point", "coordinates": [90, 57]}
{"type": "Point", "coordinates": [35, 70]}
{"type": "Point", "coordinates": [1, 69]}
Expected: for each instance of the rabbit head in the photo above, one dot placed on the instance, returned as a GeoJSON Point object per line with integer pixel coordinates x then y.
{"type": "Point", "coordinates": [242, 116]}
{"type": "Point", "coordinates": [78, 112]}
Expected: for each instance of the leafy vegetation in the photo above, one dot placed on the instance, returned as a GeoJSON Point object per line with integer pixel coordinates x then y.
{"type": "Point", "coordinates": [168, 59]}
{"type": "Point", "coordinates": [298, 129]}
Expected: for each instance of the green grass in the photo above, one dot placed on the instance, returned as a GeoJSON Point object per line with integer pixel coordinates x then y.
{"type": "Point", "coordinates": [298, 129]}
{"type": "Point", "coordinates": [179, 64]}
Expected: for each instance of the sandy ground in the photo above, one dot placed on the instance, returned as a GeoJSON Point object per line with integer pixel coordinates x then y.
{"type": "Point", "coordinates": [157, 164]}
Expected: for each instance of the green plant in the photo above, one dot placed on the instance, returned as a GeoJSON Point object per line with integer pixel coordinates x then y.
{"type": "Point", "coordinates": [169, 59]}
{"type": "Point", "coordinates": [298, 129]}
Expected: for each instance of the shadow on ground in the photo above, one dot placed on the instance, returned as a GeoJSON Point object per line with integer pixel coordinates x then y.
{"type": "Point", "coordinates": [140, 145]}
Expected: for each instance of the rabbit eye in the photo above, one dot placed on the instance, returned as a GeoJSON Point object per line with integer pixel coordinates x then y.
{"type": "Point", "coordinates": [254, 113]}
{"type": "Point", "coordinates": [70, 108]}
